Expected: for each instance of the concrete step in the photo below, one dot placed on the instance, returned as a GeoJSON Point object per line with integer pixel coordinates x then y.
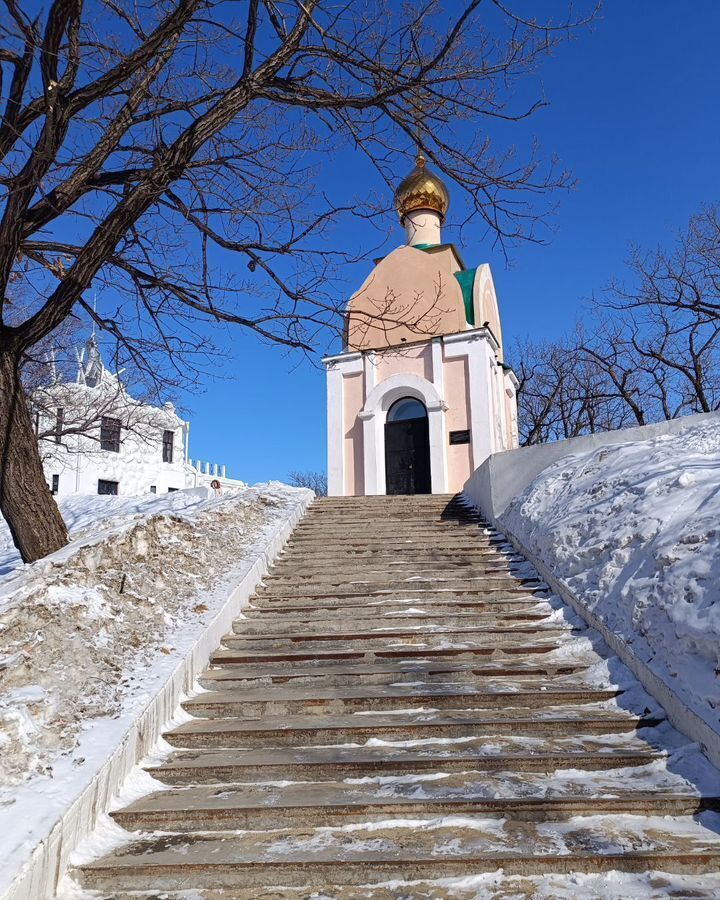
{"type": "Point", "coordinates": [475, 544]}
{"type": "Point", "coordinates": [407, 590]}
{"type": "Point", "coordinates": [327, 608]}
{"type": "Point", "coordinates": [392, 642]}
{"type": "Point", "coordinates": [495, 649]}
{"type": "Point", "coordinates": [400, 530]}
{"type": "Point", "coordinates": [293, 701]}
{"type": "Point", "coordinates": [337, 542]}
{"type": "Point", "coordinates": [422, 558]}
{"type": "Point", "coordinates": [319, 861]}
{"type": "Point", "coordinates": [390, 577]}
{"type": "Point", "coordinates": [228, 674]}
{"type": "Point", "coordinates": [408, 516]}
{"type": "Point", "coordinates": [370, 570]}
{"type": "Point", "coordinates": [209, 766]}
{"type": "Point", "coordinates": [410, 589]}
{"type": "Point", "coordinates": [531, 798]}
{"type": "Point", "coordinates": [544, 655]}
{"type": "Point", "coordinates": [409, 617]}
{"type": "Point", "coordinates": [292, 599]}
{"type": "Point", "coordinates": [349, 630]}
{"type": "Point", "coordinates": [411, 724]}
{"type": "Point", "coordinates": [374, 559]}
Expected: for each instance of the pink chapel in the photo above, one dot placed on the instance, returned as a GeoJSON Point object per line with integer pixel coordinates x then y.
{"type": "Point", "coordinates": [420, 395]}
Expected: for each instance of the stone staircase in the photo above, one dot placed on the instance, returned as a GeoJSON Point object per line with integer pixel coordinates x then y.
{"type": "Point", "coordinates": [405, 711]}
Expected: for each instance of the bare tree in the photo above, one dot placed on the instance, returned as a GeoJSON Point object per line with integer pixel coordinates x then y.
{"type": "Point", "coordinates": [685, 278]}
{"type": "Point", "coordinates": [315, 481]}
{"type": "Point", "coordinates": [152, 147]}
{"type": "Point", "coordinates": [652, 351]}
{"type": "Point", "coordinates": [670, 315]}
{"type": "Point", "coordinates": [562, 393]}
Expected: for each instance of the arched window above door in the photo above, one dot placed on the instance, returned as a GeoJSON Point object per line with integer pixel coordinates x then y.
{"type": "Point", "coordinates": [406, 408]}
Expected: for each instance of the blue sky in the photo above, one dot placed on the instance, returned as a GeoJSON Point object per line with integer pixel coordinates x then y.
{"type": "Point", "coordinates": [633, 113]}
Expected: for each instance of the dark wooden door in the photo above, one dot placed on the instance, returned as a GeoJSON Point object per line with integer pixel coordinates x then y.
{"type": "Point", "coordinates": [407, 457]}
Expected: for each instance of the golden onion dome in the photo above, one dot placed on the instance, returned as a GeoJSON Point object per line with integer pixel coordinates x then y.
{"type": "Point", "coordinates": [421, 189]}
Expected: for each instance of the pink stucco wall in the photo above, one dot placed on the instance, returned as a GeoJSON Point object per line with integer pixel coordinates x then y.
{"type": "Point", "coordinates": [457, 418]}
{"type": "Point", "coordinates": [416, 360]}
{"type": "Point", "coordinates": [409, 296]}
{"type": "Point", "coordinates": [353, 387]}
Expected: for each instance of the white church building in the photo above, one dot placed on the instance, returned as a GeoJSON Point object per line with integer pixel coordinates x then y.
{"type": "Point", "coordinates": [95, 438]}
{"type": "Point", "coordinates": [420, 395]}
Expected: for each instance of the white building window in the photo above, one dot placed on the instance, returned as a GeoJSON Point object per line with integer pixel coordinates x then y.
{"type": "Point", "coordinates": [110, 434]}
{"type": "Point", "coordinates": [55, 484]}
{"type": "Point", "coordinates": [59, 419]}
{"type": "Point", "coordinates": [168, 445]}
{"type": "Point", "coordinates": [107, 487]}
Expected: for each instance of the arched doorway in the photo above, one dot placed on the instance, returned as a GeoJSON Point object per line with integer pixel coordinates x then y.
{"type": "Point", "coordinates": [407, 448]}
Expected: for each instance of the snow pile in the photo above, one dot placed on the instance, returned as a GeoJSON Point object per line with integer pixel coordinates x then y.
{"type": "Point", "coordinates": [88, 516]}
{"type": "Point", "coordinates": [634, 530]}
{"type": "Point", "coordinates": [87, 633]}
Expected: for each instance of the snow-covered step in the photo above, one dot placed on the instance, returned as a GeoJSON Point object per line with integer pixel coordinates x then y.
{"type": "Point", "coordinates": [504, 753]}
{"type": "Point", "coordinates": [369, 600]}
{"type": "Point", "coordinates": [437, 555]}
{"type": "Point", "coordinates": [368, 575]}
{"type": "Point", "coordinates": [497, 649]}
{"type": "Point", "coordinates": [344, 586]}
{"type": "Point", "coordinates": [292, 701]}
{"type": "Point", "coordinates": [411, 622]}
{"type": "Point", "coordinates": [412, 723]}
{"type": "Point", "coordinates": [387, 605]}
{"type": "Point", "coordinates": [495, 645]}
{"type": "Point", "coordinates": [408, 850]}
{"type": "Point", "coordinates": [303, 597]}
{"type": "Point", "coordinates": [527, 795]}
{"type": "Point", "coordinates": [398, 634]}
{"type": "Point", "coordinates": [423, 559]}
{"type": "Point", "coordinates": [339, 544]}
{"type": "Point", "coordinates": [412, 524]}
{"type": "Point", "coordinates": [490, 585]}
{"type": "Point", "coordinates": [409, 616]}
{"type": "Point", "coordinates": [227, 675]}
{"type": "Point", "coordinates": [377, 570]}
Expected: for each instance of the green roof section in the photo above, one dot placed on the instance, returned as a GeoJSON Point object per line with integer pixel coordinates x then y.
{"type": "Point", "coordinates": [424, 246]}
{"type": "Point", "coordinates": [466, 279]}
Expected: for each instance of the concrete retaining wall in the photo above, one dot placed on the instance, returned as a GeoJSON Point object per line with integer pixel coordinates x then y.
{"type": "Point", "coordinates": [38, 880]}
{"type": "Point", "coordinates": [503, 476]}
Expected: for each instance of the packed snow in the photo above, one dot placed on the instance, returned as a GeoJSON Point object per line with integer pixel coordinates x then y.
{"type": "Point", "coordinates": [89, 634]}
{"type": "Point", "coordinates": [634, 530]}
{"type": "Point", "coordinates": [88, 517]}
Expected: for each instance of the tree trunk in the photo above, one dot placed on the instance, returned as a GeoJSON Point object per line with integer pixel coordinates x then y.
{"type": "Point", "coordinates": [26, 503]}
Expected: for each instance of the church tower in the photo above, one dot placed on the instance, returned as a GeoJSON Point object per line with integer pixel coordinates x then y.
{"type": "Point", "coordinates": [420, 395]}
